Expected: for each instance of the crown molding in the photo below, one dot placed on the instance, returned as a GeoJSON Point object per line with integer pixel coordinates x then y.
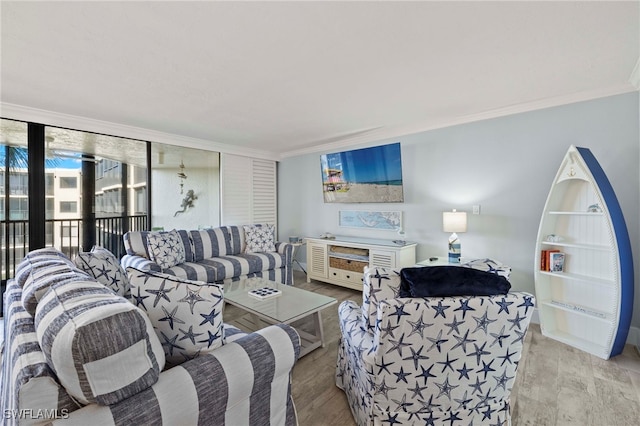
{"type": "Point", "coordinates": [19, 112]}
{"type": "Point", "coordinates": [634, 79]}
{"type": "Point", "coordinates": [395, 132]}
{"type": "Point", "coordinates": [24, 113]}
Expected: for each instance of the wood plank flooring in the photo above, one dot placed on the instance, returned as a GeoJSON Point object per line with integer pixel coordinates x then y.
{"type": "Point", "coordinates": [556, 385]}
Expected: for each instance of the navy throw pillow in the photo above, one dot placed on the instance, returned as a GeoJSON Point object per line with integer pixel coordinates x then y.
{"type": "Point", "coordinates": [441, 281]}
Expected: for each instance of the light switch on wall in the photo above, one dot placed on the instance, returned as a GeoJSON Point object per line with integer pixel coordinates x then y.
{"type": "Point", "coordinates": [476, 209]}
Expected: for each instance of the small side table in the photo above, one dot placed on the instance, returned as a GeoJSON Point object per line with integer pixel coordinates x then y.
{"type": "Point", "coordinates": [296, 246]}
{"type": "Point", "coordinates": [439, 261]}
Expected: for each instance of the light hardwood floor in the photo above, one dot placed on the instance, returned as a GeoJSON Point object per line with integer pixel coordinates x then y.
{"type": "Point", "coordinates": [556, 384]}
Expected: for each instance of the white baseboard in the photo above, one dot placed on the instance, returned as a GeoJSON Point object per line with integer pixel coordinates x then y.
{"type": "Point", "coordinates": [634, 337]}
{"type": "Point", "coordinates": [535, 318]}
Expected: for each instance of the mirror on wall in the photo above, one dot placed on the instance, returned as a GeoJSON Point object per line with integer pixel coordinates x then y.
{"type": "Point", "coordinates": [185, 190]}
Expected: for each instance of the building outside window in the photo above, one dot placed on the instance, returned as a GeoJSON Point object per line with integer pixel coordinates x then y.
{"type": "Point", "coordinates": [18, 208]}
{"type": "Point", "coordinates": [68, 182]}
{"type": "Point", "coordinates": [68, 207]}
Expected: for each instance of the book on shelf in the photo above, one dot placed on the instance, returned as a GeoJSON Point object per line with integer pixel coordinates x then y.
{"type": "Point", "coordinates": [556, 262]}
{"type": "Point", "coordinates": [545, 264]}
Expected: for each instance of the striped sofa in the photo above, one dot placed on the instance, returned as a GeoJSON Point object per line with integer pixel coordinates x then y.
{"type": "Point", "coordinates": [246, 381]}
{"type": "Point", "coordinates": [214, 256]}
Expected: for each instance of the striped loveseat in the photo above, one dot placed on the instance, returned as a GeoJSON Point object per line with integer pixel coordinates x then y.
{"type": "Point", "coordinates": [216, 255]}
{"type": "Point", "coordinates": [76, 352]}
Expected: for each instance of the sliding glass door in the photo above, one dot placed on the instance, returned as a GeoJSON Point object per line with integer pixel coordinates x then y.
{"type": "Point", "coordinates": [98, 190]}
{"type": "Point", "coordinates": [72, 190]}
{"type": "Point", "coordinates": [14, 192]}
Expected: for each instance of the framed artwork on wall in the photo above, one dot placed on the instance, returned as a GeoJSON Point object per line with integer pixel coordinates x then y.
{"type": "Point", "coordinates": [367, 175]}
{"type": "Point", "coordinates": [379, 220]}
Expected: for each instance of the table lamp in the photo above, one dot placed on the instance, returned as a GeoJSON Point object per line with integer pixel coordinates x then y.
{"type": "Point", "coordinates": [454, 222]}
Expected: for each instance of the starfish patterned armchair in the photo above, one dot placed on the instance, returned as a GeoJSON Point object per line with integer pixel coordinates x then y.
{"type": "Point", "coordinates": [434, 361]}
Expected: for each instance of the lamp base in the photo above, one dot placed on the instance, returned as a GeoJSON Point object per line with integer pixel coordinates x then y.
{"type": "Point", "coordinates": [454, 248]}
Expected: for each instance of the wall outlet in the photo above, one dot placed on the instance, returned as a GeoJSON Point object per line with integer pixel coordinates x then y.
{"type": "Point", "coordinates": [476, 209]}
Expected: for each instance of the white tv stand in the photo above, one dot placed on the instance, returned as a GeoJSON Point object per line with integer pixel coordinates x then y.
{"type": "Point", "coordinates": [341, 260]}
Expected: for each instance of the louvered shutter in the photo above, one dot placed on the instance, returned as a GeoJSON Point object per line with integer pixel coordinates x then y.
{"type": "Point", "coordinates": [248, 190]}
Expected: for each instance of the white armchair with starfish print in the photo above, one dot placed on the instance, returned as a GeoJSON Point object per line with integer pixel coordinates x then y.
{"type": "Point", "coordinates": [433, 361]}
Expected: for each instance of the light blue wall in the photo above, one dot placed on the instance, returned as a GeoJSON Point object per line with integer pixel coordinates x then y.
{"type": "Point", "coordinates": [505, 164]}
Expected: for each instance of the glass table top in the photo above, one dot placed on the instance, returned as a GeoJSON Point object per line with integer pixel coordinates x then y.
{"type": "Point", "coordinates": [294, 303]}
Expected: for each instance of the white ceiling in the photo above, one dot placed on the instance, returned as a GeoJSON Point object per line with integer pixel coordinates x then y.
{"type": "Point", "coordinates": [284, 78]}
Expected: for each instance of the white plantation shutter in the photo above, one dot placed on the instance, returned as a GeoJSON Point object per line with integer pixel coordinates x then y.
{"type": "Point", "coordinates": [264, 192]}
{"type": "Point", "coordinates": [248, 190]}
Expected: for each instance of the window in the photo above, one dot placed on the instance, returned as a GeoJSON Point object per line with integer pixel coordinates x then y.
{"type": "Point", "coordinates": [69, 231]}
{"type": "Point", "coordinates": [50, 207]}
{"type": "Point", "coordinates": [19, 183]}
{"type": "Point", "coordinates": [18, 208]}
{"type": "Point", "coordinates": [99, 203]}
{"type": "Point", "coordinates": [68, 182]}
{"type": "Point", "coordinates": [140, 201]}
{"type": "Point", "coordinates": [68, 206]}
{"type": "Point", "coordinates": [48, 181]}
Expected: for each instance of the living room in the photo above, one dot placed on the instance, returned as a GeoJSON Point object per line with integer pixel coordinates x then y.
{"type": "Point", "coordinates": [501, 156]}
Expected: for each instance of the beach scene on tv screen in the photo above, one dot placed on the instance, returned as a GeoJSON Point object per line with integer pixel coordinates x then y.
{"type": "Point", "coordinates": [367, 175]}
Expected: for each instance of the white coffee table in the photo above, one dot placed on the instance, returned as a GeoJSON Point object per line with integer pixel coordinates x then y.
{"type": "Point", "coordinates": [292, 305]}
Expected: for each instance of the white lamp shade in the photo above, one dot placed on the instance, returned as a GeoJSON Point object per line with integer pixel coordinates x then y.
{"type": "Point", "coordinates": [454, 221]}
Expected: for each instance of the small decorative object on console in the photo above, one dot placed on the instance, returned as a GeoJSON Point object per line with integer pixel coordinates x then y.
{"type": "Point", "coordinates": [264, 292]}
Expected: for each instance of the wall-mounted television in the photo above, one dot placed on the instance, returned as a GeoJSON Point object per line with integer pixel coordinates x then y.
{"type": "Point", "coordinates": [367, 175]}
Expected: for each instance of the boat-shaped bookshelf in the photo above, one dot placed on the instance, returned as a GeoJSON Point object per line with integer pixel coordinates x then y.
{"type": "Point", "coordinates": [587, 301]}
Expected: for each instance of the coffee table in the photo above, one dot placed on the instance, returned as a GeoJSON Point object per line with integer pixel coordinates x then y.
{"type": "Point", "coordinates": [292, 305]}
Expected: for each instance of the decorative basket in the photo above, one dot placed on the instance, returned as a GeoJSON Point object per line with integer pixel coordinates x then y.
{"type": "Point", "coordinates": [347, 265]}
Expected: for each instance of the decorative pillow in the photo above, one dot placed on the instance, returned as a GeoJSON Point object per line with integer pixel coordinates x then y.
{"type": "Point", "coordinates": [166, 248]}
{"type": "Point", "coordinates": [441, 281]}
{"type": "Point", "coordinates": [102, 265]}
{"type": "Point", "coordinates": [259, 238]}
{"type": "Point", "coordinates": [186, 315]}
{"type": "Point", "coordinates": [101, 347]}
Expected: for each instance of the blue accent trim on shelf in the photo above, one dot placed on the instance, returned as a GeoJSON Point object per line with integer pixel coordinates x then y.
{"type": "Point", "coordinates": [624, 249]}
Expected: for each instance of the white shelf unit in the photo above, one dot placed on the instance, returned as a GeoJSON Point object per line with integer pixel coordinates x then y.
{"type": "Point", "coordinates": [341, 261]}
{"type": "Point", "coordinates": [582, 305]}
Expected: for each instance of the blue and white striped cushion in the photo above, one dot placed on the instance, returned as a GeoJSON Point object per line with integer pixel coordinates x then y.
{"type": "Point", "coordinates": [27, 381]}
{"type": "Point", "coordinates": [135, 243]}
{"type": "Point", "coordinates": [139, 262]}
{"type": "Point", "coordinates": [222, 241]}
{"type": "Point", "coordinates": [223, 267]}
{"type": "Point", "coordinates": [186, 315]}
{"type": "Point", "coordinates": [247, 382]}
{"type": "Point", "coordinates": [45, 274]}
{"type": "Point", "coordinates": [101, 347]}
{"type": "Point", "coordinates": [34, 257]}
